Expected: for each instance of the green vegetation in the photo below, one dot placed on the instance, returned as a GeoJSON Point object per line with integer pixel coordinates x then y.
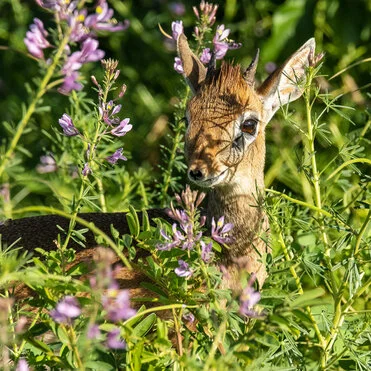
{"type": "Point", "coordinates": [78, 152]}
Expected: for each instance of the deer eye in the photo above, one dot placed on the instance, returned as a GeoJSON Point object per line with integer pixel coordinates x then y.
{"type": "Point", "coordinates": [249, 126]}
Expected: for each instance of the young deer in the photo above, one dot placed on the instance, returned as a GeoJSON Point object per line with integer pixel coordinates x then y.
{"type": "Point", "coordinates": [225, 144]}
{"type": "Point", "coordinates": [225, 151]}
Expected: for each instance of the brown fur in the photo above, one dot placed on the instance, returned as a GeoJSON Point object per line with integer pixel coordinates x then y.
{"type": "Point", "coordinates": [212, 113]}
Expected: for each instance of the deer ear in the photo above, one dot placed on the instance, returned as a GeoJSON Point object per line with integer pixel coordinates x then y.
{"type": "Point", "coordinates": [286, 83]}
{"type": "Point", "coordinates": [194, 70]}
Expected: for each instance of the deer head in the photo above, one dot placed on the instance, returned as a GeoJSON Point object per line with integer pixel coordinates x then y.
{"type": "Point", "coordinates": [227, 116]}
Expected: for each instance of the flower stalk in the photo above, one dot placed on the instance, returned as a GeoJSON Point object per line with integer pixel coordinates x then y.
{"type": "Point", "coordinates": [33, 105]}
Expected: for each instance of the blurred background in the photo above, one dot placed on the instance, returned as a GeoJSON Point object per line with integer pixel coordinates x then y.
{"type": "Point", "coordinates": [342, 29]}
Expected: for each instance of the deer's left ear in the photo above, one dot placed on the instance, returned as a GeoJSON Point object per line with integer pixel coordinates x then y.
{"type": "Point", "coordinates": [286, 83]}
{"type": "Point", "coordinates": [194, 70]}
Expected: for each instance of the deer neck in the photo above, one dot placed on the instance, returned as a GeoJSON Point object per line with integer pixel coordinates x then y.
{"type": "Point", "coordinates": [240, 201]}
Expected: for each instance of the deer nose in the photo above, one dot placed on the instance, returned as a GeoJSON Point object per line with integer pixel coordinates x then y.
{"type": "Point", "coordinates": [195, 174]}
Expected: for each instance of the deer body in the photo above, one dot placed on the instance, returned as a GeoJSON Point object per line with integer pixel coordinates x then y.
{"type": "Point", "coordinates": [225, 151]}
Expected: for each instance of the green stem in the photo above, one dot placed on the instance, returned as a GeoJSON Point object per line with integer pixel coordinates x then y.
{"type": "Point", "coordinates": [349, 162]}
{"type": "Point", "coordinates": [73, 344]}
{"type": "Point", "coordinates": [143, 193]}
{"type": "Point", "coordinates": [158, 309]}
{"type": "Point", "coordinates": [177, 329]}
{"type": "Point", "coordinates": [318, 203]}
{"type": "Point", "coordinates": [169, 171]}
{"type": "Point", "coordinates": [361, 233]}
{"type": "Point", "coordinates": [101, 194]}
{"type": "Point", "coordinates": [215, 345]}
{"type": "Point", "coordinates": [299, 202]}
{"type": "Point", "coordinates": [301, 291]}
{"type": "Point", "coordinates": [31, 109]}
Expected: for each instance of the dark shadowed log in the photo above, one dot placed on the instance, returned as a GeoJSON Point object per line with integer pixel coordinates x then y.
{"type": "Point", "coordinates": [42, 231]}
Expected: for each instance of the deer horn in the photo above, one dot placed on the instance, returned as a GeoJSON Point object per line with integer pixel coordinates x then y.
{"type": "Point", "coordinates": [211, 67]}
{"type": "Point", "coordinates": [249, 74]}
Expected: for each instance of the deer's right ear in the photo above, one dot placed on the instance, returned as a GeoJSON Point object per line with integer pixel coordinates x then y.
{"type": "Point", "coordinates": [286, 83]}
{"type": "Point", "coordinates": [194, 70]}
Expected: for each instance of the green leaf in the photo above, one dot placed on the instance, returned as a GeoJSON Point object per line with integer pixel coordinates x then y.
{"type": "Point", "coordinates": [98, 365]}
{"type": "Point", "coordinates": [308, 297]}
{"type": "Point", "coordinates": [146, 226]}
{"type": "Point", "coordinates": [127, 240]}
{"type": "Point", "coordinates": [306, 239]}
{"type": "Point", "coordinates": [133, 221]}
{"type": "Point", "coordinates": [144, 326]}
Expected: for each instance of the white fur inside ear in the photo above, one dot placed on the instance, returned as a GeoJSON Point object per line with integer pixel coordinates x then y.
{"type": "Point", "coordinates": [288, 85]}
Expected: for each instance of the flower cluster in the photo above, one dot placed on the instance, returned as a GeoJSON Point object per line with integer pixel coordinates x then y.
{"type": "Point", "coordinates": [35, 39]}
{"type": "Point", "coordinates": [219, 231]}
{"type": "Point", "coordinates": [206, 18]}
{"type": "Point", "coordinates": [82, 29]}
{"type": "Point", "coordinates": [183, 270]}
{"type": "Point", "coordinates": [115, 303]}
{"type": "Point", "coordinates": [207, 13]}
{"type": "Point", "coordinates": [187, 237]}
{"type": "Point", "coordinates": [108, 116]}
{"type": "Point", "coordinates": [184, 238]}
{"type": "Point", "coordinates": [66, 310]}
{"type": "Point", "coordinates": [221, 45]}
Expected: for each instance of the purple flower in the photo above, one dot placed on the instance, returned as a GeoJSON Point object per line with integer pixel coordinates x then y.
{"type": "Point", "coordinates": [114, 341]}
{"type": "Point", "coordinates": [47, 165]}
{"type": "Point", "coordinates": [249, 298]}
{"type": "Point", "coordinates": [177, 8]}
{"type": "Point", "coordinates": [116, 156]}
{"type": "Point", "coordinates": [78, 31]}
{"type": "Point", "coordinates": [35, 39]}
{"type": "Point", "coordinates": [108, 111]}
{"type": "Point", "coordinates": [189, 317]}
{"type": "Point", "coordinates": [206, 251]}
{"type": "Point", "coordinates": [22, 365]}
{"type": "Point", "coordinates": [170, 243]}
{"type": "Point", "coordinates": [67, 125]}
{"type": "Point", "coordinates": [219, 231]}
{"type": "Point", "coordinates": [102, 19]}
{"type": "Point", "coordinates": [66, 310]}
{"type": "Point", "coordinates": [221, 43]}
{"type": "Point", "coordinates": [179, 215]}
{"type": "Point", "coordinates": [177, 28]}
{"type": "Point", "coordinates": [86, 170]}
{"type": "Point", "coordinates": [178, 66]}
{"type": "Point", "coordinates": [93, 331]}
{"type": "Point", "coordinates": [220, 49]}
{"type": "Point", "coordinates": [205, 56]}
{"type": "Point", "coordinates": [123, 128]}
{"type": "Point", "coordinates": [117, 305]}
{"type": "Point", "coordinates": [70, 83]}
{"type": "Point", "coordinates": [183, 270]}
{"type": "Point", "coordinates": [221, 33]}
{"type": "Point", "coordinates": [47, 4]}
{"type": "Point", "coordinates": [89, 53]}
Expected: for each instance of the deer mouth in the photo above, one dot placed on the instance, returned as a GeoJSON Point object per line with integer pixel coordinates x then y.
{"type": "Point", "coordinates": [213, 180]}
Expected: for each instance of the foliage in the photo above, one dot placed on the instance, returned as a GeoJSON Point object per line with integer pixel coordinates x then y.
{"type": "Point", "coordinates": [313, 311]}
